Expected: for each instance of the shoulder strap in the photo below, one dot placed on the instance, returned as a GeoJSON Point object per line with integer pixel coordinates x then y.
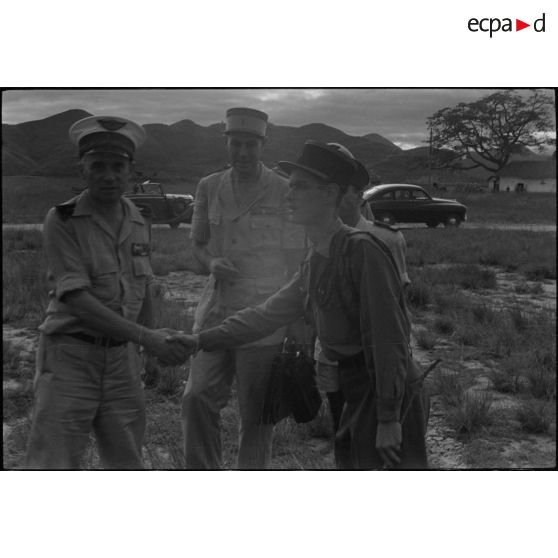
{"type": "Point", "coordinates": [65, 210]}
{"type": "Point", "coordinates": [343, 258]}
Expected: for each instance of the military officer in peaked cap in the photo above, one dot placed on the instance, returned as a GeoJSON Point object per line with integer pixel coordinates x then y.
{"type": "Point", "coordinates": [240, 237]}
{"type": "Point", "coordinates": [97, 252]}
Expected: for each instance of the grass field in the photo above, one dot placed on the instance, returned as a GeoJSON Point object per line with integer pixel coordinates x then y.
{"type": "Point", "coordinates": [26, 199]}
{"type": "Point", "coordinates": [496, 348]}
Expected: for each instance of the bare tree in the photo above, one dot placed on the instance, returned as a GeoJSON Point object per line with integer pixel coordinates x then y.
{"type": "Point", "coordinates": [485, 133]}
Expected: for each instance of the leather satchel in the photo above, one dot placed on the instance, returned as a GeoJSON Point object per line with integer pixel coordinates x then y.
{"type": "Point", "coordinates": [292, 388]}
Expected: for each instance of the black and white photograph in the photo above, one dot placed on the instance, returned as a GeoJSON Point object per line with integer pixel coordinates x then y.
{"type": "Point", "coordinates": [279, 279]}
{"type": "Point", "coordinates": [204, 301]}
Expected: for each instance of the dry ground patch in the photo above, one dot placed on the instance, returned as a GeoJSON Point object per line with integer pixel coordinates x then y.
{"type": "Point", "coordinates": [487, 309]}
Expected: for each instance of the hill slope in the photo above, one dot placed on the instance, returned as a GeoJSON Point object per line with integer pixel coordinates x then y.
{"type": "Point", "coordinates": [183, 150]}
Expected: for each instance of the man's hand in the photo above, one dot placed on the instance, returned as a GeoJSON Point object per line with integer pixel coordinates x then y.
{"type": "Point", "coordinates": [190, 342]}
{"type": "Point", "coordinates": [222, 268]}
{"type": "Point", "coordinates": [388, 442]}
{"type": "Point", "coordinates": [156, 344]}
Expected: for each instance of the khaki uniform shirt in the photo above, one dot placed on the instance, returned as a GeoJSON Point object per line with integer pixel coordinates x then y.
{"type": "Point", "coordinates": [83, 252]}
{"type": "Point", "coordinates": [254, 236]}
{"type": "Point", "coordinates": [395, 241]}
{"type": "Point", "coordinates": [375, 322]}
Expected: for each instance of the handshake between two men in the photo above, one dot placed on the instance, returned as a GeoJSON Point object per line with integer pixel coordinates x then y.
{"type": "Point", "coordinates": [169, 346]}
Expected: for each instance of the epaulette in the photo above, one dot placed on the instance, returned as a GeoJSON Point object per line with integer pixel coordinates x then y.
{"type": "Point", "coordinates": [226, 167]}
{"type": "Point", "coordinates": [66, 210]}
{"type": "Point", "coordinates": [386, 226]}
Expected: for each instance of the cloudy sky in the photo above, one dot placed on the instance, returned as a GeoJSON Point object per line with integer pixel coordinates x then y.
{"type": "Point", "coordinates": [398, 114]}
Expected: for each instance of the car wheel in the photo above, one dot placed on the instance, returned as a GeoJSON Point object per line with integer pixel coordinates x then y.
{"type": "Point", "coordinates": [432, 224]}
{"type": "Point", "coordinates": [179, 207]}
{"type": "Point", "coordinates": [386, 217]}
{"type": "Point", "coordinates": [452, 220]}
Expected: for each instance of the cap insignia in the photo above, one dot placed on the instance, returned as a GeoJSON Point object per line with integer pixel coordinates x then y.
{"type": "Point", "coordinates": [111, 125]}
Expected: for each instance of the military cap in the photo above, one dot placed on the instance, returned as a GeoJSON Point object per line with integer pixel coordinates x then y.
{"type": "Point", "coordinates": [246, 120]}
{"type": "Point", "coordinates": [324, 161]}
{"type": "Point", "coordinates": [107, 134]}
{"type": "Point", "coordinates": [360, 178]}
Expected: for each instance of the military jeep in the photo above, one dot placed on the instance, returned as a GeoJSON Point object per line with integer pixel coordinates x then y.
{"type": "Point", "coordinates": [171, 209]}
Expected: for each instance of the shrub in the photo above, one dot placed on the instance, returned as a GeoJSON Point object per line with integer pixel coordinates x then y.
{"type": "Point", "coordinates": [505, 380]}
{"type": "Point", "coordinates": [25, 287]}
{"type": "Point", "coordinates": [449, 387]}
{"type": "Point", "coordinates": [419, 294]}
{"type": "Point", "coordinates": [483, 314]}
{"type": "Point", "coordinates": [473, 413]}
{"type": "Point", "coordinates": [534, 416]}
{"type": "Point", "coordinates": [171, 381]}
{"type": "Point", "coordinates": [518, 319]}
{"type": "Point", "coordinates": [450, 300]}
{"type": "Point", "coordinates": [426, 339]}
{"type": "Point", "coordinates": [541, 373]}
{"type": "Point", "coordinates": [539, 272]}
{"type": "Point", "coordinates": [525, 288]}
{"type": "Point", "coordinates": [444, 325]}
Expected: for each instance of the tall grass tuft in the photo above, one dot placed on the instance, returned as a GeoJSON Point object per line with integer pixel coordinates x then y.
{"type": "Point", "coordinates": [472, 414]}
{"type": "Point", "coordinates": [419, 294]}
{"type": "Point", "coordinates": [450, 387]}
{"type": "Point", "coordinates": [25, 287]}
{"type": "Point", "coordinates": [535, 416]}
{"type": "Point", "coordinates": [541, 373]}
{"type": "Point", "coordinates": [426, 340]}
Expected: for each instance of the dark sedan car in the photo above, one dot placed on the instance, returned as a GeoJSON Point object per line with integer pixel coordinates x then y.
{"type": "Point", "coordinates": [172, 209]}
{"type": "Point", "coordinates": [407, 203]}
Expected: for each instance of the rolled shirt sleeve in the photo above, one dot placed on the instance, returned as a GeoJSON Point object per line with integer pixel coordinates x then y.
{"type": "Point", "coordinates": [251, 324]}
{"type": "Point", "coordinates": [384, 326]}
{"type": "Point", "coordinates": [66, 269]}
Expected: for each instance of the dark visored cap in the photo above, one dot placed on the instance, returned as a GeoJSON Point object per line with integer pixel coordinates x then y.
{"type": "Point", "coordinates": [107, 134]}
{"type": "Point", "coordinates": [360, 178]}
{"type": "Point", "coordinates": [324, 161]}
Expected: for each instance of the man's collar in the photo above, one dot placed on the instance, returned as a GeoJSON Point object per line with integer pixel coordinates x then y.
{"type": "Point", "coordinates": [85, 207]}
{"type": "Point", "coordinates": [322, 245]}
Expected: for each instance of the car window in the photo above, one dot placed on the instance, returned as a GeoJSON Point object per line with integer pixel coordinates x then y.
{"type": "Point", "coordinates": [419, 195]}
{"type": "Point", "coordinates": [403, 194]}
{"type": "Point", "coordinates": [386, 196]}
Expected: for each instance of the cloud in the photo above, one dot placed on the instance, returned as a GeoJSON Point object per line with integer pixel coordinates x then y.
{"type": "Point", "coordinates": [398, 114]}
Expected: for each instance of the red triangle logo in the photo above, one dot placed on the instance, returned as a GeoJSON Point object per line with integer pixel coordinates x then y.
{"type": "Point", "coordinates": [519, 25]}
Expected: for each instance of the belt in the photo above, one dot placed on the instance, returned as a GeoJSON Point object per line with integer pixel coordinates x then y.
{"type": "Point", "coordinates": [352, 361]}
{"type": "Point", "coordinates": [101, 341]}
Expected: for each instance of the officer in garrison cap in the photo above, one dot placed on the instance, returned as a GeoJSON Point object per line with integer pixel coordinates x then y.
{"type": "Point", "coordinates": [241, 239]}
{"type": "Point", "coordinates": [350, 290]}
{"type": "Point", "coordinates": [88, 369]}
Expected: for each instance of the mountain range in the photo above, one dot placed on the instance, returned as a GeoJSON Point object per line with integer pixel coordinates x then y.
{"type": "Point", "coordinates": [187, 151]}
{"type": "Point", "coordinates": [181, 150]}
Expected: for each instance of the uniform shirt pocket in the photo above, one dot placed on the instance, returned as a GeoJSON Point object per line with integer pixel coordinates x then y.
{"type": "Point", "coordinates": [266, 227]}
{"type": "Point", "coordinates": [104, 280]}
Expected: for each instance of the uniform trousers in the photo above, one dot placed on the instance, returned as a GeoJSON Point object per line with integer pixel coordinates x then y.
{"type": "Point", "coordinates": [81, 387]}
{"type": "Point", "coordinates": [207, 392]}
{"type": "Point", "coordinates": [355, 442]}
